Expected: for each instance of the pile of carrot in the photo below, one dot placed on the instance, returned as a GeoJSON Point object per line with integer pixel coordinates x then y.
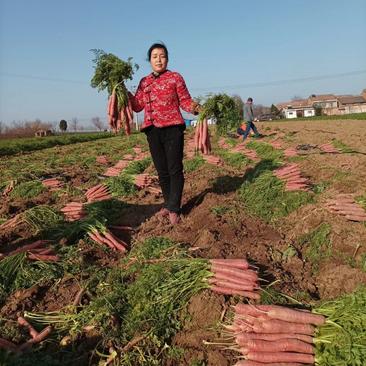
{"type": "Point", "coordinates": [8, 188]}
{"type": "Point", "coordinates": [144, 180]}
{"type": "Point", "coordinates": [128, 157]}
{"type": "Point", "coordinates": [251, 154]}
{"type": "Point", "coordinates": [214, 160]}
{"type": "Point", "coordinates": [344, 204]}
{"type": "Point", "coordinates": [100, 192]}
{"type": "Point", "coordinates": [329, 148]}
{"type": "Point", "coordinates": [233, 277]}
{"type": "Point", "coordinates": [37, 251]}
{"type": "Point", "coordinates": [74, 211]}
{"type": "Point", "coordinates": [52, 183]}
{"type": "Point", "coordinates": [274, 335]}
{"type": "Point", "coordinates": [291, 175]}
{"type": "Point", "coordinates": [105, 237]}
{"type": "Point", "coordinates": [102, 159]}
{"type": "Point", "coordinates": [222, 143]}
{"type": "Point", "coordinates": [119, 118]}
{"type": "Point", "coordinates": [12, 223]}
{"type": "Point", "coordinates": [116, 169]}
{"type": "Point", "coordinates": [291, 151]}
{"type": "Point", "coordinates": [154, 190]}
{"type": "Point", "coordinates": [202, 137]}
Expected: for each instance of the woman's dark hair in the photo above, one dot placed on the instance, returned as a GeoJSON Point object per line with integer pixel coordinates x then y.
{"type": "Point", "coordinates": [250, 99]}
{"type": "Point", "coordinates": [157, 45]}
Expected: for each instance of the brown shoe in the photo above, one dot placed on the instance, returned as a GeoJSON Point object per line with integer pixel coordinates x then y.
{"type": "Point", "coordinates": [174, 218]}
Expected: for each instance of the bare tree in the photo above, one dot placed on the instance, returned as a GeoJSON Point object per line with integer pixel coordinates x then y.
{"type": "Point", "coordinates": [98, 123]}
{"type": "Point", "coordinates": [74, 124]}
{"type": "Point", "coordinates": [1, 127]}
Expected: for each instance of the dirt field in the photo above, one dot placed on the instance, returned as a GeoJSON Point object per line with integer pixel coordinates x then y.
{"type": "Point", "coordinates": [217, 222]}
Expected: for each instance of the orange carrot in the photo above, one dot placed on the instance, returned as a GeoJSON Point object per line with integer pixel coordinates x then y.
{"type": "Point", "coordinates": [254, 363]}
{"type": "Point", "coordinates": [237, 263]}
{"type": "Point", "coordinates": [231, 285]}
{"type": "Point", "coordinates": [281, 326]}
{"type": "Point", "coordinates": [229, 291]}
{"type": "Point", "coordinates": [235, 272]}
{"type": "Point", "coordinates": [283, 345]}
{"type": "Point", "coordinates": [244, 337]}
{"type": "Point", "coordinates": [33, 333]}
{"type": "Point", "coordinates": [267, 357]}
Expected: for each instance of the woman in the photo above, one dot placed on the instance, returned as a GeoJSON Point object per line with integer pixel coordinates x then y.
{"type": "Point", "coordinates": [161, 94]}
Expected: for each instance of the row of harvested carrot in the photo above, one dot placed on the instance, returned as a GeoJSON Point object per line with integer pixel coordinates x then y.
{"type": "Point", "coordinates": [273, 335]}
{"type": "Point", "coordinates": [291, 175]}
{"type": "Point", "coordinates": [38, 251]}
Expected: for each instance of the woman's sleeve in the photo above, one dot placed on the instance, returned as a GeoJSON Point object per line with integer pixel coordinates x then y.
{"type": "Point", "coordinates": [185, 100]}
{"type": "Point", "coordinates": [137, 100]}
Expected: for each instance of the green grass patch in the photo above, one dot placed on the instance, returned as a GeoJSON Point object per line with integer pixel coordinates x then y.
{"type": "Point", "coordinates": [137, 167]}
{"type": "Point", "coordinates": [264, 196]}
{"type": "Point", "coordinates": [265, 151]}
{"type": "Point", "coordinates": [193, 164]}
{"type": "Point", "coordinates": [236, 160]}
{"type": "Point", "coordinates": [220, 210]}
{"type": "Point", "coordinates": [356, 116]}
{"type": "Point", "coordinates": [342, 146]}
{"type": "Point", "coordinates": [121, 186]}
{"type": "Point", "coordinates": [317, 244]}
{"type": "Point", "coordinates": [27, 190]}
{"type": "Point", "coordinates": [19, 145]}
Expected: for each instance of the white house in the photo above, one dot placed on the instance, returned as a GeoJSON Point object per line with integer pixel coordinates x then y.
{"type": "Point", "coordinates": [296, 109]}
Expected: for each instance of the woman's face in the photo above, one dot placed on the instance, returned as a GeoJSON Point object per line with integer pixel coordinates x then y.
{"type": "Point", "coordinates": [158, 60]}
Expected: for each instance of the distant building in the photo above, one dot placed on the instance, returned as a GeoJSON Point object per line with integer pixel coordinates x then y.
{"type": "Point", "coordinates": [43, 133]}
{"type": "Point", "coordinates": [328, 104]}
{"type": "Point", "coordinates": [296, 109]}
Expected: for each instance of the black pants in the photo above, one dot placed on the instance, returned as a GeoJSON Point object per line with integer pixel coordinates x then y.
{"type": "Point", "coordinates": [166, 148]}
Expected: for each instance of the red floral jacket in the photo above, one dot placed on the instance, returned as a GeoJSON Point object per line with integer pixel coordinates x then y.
{"type": "Point", "coordinates": [161, 97]}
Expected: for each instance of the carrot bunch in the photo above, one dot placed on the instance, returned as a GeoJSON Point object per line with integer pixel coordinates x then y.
{"type": "Point", "coordinates": [233, 277]}
{"type": "Point", "coordinates": [52, 183]}
{"type": "Point", "coordinates": [329, 148]}
{"type": "Point", "coordinates": [290, 152]}
{"type": "Point", "coordinates": [344, 204]}
{"type": "Point", "coordinates": [37, 251]}
{"type": "Point", "coordinates": [222, 143]}
{"type": "Point", "coordinates": [251, 154]}
{"type": "Point", "coordinates": [101, 235]}
{"type": "Point", "coordinates": [291, 175]}
{"type": "Point", "coordinates": [214, 160]}
{"type": "Point", "coordinates": [274, 335]}
{"type": "Point", "coordinates": [100, 192]}
{"type": "Point", "coordinates": [119, 116]}
{"type": "Point", "coordinates": [102, 159]}
{"type": "Point", "coordinates": [202, 137]}
{"type": "Point", "coordinates": [74, 211]}
{"type": "Point", "coordinates": [12, 223]}
{"type": "Point", "coordinates": [144, 180]}
{"type": "Point", "coordinates": [116, 169]}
